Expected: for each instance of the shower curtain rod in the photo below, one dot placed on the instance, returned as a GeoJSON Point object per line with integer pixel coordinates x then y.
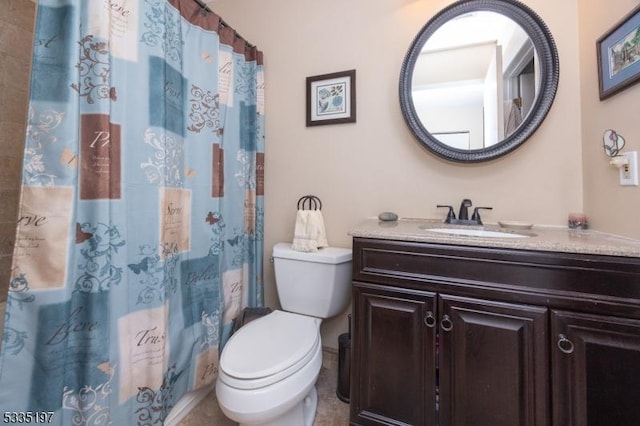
{"type": "Point", "coordinates": [204, 6]}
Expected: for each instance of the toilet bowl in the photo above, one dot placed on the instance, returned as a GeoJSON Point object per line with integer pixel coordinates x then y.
{"type": "Point", "coordinates": [268, 368]}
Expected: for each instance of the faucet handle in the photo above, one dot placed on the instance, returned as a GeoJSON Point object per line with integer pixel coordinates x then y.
{"type": "Point", "coordinates": [450, 215]}
{"type": "Point", "coordinates": [476, 214]}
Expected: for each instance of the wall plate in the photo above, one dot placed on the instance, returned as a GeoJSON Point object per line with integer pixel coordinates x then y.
{"type": "Point", "coordinates": [629, 172]}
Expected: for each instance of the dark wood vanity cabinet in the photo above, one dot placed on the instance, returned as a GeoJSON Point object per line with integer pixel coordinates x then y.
{"type": "Point", "coordinates": [454, 335]}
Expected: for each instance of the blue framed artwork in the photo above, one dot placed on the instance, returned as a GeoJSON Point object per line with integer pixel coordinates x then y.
{"type": "Point", "coordinates": [331, 98]}
{"type": "Point", "coordinates": [618, 53]}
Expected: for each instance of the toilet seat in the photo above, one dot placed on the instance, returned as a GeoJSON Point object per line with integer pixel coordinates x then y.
{"type": "Point", "coordinates": [269, 349]}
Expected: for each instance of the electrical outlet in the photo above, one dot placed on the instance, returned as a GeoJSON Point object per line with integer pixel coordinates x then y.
{"type": "Point", "coordinates": [629, 172]}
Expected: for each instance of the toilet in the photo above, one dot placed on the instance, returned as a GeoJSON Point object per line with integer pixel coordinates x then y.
{"type": "Point", "coordinates": [269, 367]}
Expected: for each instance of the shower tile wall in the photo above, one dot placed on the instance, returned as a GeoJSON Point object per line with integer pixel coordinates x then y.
{"type": "Point", "coordinates": [16, 38]}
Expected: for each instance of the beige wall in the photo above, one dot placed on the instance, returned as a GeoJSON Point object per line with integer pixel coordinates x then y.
{"type": "Point", "coordinates": [361, 169]}
{"type": "Point", "coordinates": [16, 35]}
{"type": "Point", "coordinates": [610, 207]}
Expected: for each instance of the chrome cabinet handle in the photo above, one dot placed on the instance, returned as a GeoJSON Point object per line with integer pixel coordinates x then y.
{"type": "Point", "coordinates": [564, 344]}
{"type": "Point", "coordinates": [430, 320]}
{"type": "Point", "coordinates": [446, 324]}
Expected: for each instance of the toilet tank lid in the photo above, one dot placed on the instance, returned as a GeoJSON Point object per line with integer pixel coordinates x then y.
{"type": "Point", "coordinates": [334, 255]}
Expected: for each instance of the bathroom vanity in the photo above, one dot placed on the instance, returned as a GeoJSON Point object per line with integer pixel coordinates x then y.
{"type": "Point", "coordinates": [490, 331]}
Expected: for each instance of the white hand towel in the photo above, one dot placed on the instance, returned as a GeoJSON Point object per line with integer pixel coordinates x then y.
{"type": "Point", "coordinates": [309, 234]}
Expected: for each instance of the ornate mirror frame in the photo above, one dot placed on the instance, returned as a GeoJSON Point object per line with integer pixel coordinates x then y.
{"type": "Point", "coordinates": [547, 54]}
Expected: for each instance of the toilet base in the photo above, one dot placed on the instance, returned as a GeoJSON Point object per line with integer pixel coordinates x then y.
{"type": "Point", "coordinates": [302, 413]}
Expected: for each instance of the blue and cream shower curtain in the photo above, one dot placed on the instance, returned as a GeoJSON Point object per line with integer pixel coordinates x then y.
{"type": "Point", "coordinates": [140, 229]}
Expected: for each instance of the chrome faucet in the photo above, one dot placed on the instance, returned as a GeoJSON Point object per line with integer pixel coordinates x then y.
{"type": "Point", "coordinates": [463, 215]}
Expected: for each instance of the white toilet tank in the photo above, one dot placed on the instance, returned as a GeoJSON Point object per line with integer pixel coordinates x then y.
{"type": "Point", "coordinates": [316, 284]}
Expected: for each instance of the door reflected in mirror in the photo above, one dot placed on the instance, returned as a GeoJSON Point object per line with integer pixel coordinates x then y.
{"type": "Point", "coordinates": [475, 80]}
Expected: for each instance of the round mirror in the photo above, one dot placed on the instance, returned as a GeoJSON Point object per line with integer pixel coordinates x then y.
{"type": "Point", "coordinates": [479, 79]}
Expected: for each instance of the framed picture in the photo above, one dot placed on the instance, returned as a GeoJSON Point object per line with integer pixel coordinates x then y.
{"type": "Point", "coordinates": [331, 98]}
{"type": "Point", "coordinates": [618, 53]}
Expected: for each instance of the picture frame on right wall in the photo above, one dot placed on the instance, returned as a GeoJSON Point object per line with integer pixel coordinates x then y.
{"type": "Point", "coordinates": [618, 52]}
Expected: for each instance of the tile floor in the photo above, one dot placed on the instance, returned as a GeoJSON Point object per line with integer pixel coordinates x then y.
{"type": "Point", "coordinates": [331, 411]}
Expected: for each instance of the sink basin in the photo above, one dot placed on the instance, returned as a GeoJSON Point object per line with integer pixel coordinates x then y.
{"type": "Point", "coordinates": [482, 233]}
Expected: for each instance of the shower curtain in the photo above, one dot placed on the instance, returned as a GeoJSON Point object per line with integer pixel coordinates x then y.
{"type": "Point", "coordinates": [140, 230]}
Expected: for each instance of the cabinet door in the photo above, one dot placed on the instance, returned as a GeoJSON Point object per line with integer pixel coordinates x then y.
{"type": "Point", "coordinates": [596, 370]}
{"type": "Point", "coordinates": [493, 363]}
{"type": "Point", "coordinates": [393, 357]}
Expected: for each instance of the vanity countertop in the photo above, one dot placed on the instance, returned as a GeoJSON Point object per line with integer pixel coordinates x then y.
{"type": "Point", "coordinates": [543, 238]}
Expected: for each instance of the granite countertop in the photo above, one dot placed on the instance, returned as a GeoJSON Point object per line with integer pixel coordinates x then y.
{"type": "Point", "coordinates": [543, 238]}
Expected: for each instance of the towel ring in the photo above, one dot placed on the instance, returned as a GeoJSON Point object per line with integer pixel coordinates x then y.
{"type": "Point", "coordinates": [309, 202]}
